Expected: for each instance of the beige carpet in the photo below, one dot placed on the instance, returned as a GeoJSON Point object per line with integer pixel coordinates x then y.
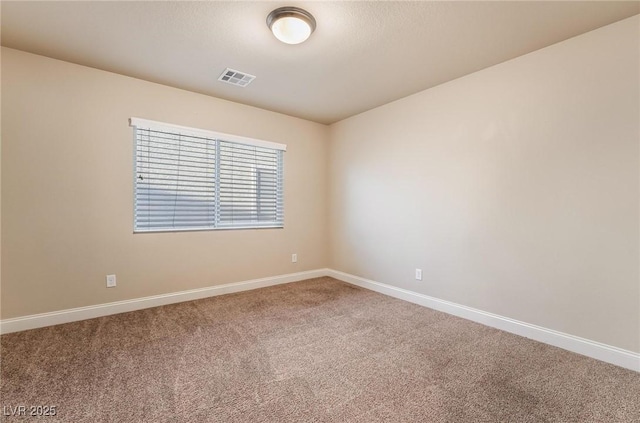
{"type": "Point", "coordinates": [312, 351]}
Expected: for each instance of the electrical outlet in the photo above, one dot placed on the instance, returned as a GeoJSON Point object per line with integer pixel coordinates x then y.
{"type": "Point", "coordinates": [419, 274]}
{"type": "Point", "coordinates": [294, 258]}
{"type": "Point", "coordinates": [111, 281]}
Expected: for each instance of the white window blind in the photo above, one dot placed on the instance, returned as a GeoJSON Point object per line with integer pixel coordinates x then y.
{"type": "Point", "coordinates": [191, 179]}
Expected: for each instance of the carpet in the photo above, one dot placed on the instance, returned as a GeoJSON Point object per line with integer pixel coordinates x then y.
{"type": "Point", "coordinates": [313, 351]}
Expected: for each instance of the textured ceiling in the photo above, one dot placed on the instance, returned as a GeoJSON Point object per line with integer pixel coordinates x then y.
{"type": "Point", "coordinates": [362, 54]}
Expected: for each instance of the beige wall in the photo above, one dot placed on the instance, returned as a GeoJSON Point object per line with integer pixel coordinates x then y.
{"type": "Point", "coordinates": [515, 189]}
{"type": "Point", "coordinates": [0, 187]}
{"type": "Point", "coordinates": [67, 191]}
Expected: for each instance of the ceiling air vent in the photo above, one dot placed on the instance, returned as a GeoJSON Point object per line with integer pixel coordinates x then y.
{"type": "Point", "coordinates": [235, 77]}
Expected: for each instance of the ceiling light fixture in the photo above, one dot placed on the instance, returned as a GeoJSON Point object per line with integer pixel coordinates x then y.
{"type": "Point", "coordinates": [291, 25]}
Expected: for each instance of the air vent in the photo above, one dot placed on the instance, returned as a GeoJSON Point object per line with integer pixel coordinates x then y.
{"type": "Point", "coordinates": [234, 77]}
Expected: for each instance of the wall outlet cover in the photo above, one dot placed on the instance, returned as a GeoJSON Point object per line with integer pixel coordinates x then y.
{"type": "Point", "coordinates": [111, 281]}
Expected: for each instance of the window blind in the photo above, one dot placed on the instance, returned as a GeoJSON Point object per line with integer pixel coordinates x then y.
{"type": "Point", "coordinates": [189, 179]}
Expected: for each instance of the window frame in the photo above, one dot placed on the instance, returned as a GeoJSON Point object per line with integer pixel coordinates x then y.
{"type": "Point", "coordinates": [217, 138]}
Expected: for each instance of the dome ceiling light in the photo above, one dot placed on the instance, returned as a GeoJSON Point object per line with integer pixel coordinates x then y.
{"type": "Point", "coordinates": [291, 25]}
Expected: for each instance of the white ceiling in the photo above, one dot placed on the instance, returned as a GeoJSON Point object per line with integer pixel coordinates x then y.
{"type": "Point", "coordinates": [362, 54]}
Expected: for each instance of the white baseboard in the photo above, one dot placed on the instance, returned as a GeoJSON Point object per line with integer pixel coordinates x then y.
{"type": "Point", "coordinates": [82, 313]}
{"type": "Point", "coordinates": [593, 349]}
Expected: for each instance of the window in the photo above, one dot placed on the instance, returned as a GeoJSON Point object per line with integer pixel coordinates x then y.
{"type": "Point", "coordinates": [192, 179]}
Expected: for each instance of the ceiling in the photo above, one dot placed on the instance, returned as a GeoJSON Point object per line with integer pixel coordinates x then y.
{"type": "Point", "coordinates": [362, 54]}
